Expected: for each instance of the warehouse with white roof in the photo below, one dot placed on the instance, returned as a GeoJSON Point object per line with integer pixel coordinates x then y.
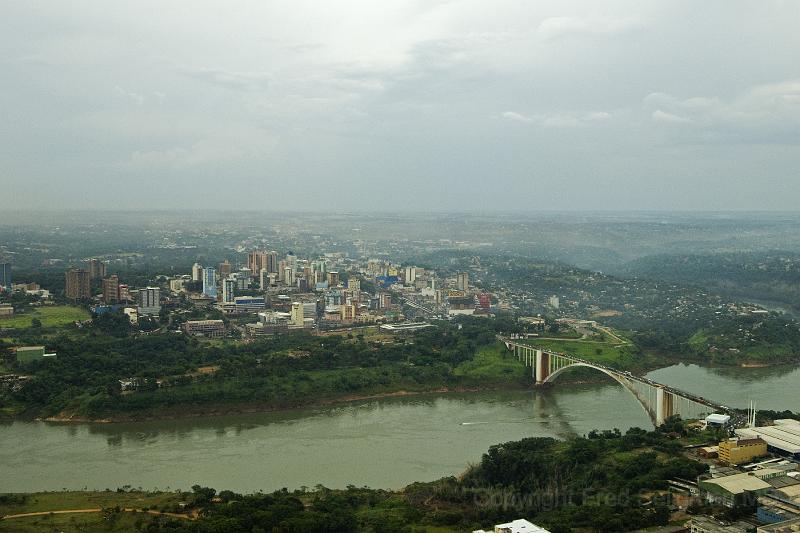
{"type": "Point", "coordinates": [783, 437]}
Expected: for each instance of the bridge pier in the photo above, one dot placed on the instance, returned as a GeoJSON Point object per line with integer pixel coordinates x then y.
{"type": "Point", "coordinates": [542, 370]}
{"type": "Point", "coordinates": [664, 405]}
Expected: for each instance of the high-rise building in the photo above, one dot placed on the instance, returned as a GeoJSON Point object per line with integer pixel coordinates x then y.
{"type": "Point", "coordinates": [354, 284]}
{"type": "Point", "coordinates": [298, 315]}
{"type": "Point", "coordinates": [77, 284]}
{"type": "Point", "coordinates": [554, 302]}
{"type": "Point", "coordinates": [291, 260]}
{"type": "Point", "coordinates": [348, 312]}
{"type": "Point", "coordinates": [333, 279]}
{"type": "Point", "coordinates": [410, 276]}
{"type": "Point", "coordinates": [242, 279]}
{"type": "Point", "coordinates": [111, 289]}
{"type": "Point", "coordinates": [288, 276]}
{"type": "Point", "coordinates": [281, 269]}
{"type": "Point", "coordinates": [462, 281]}
{"type": "Point", "coordinates": [210, 282]}
{"type": "Point", "coordinates": [228, 289]}
{"type": "Point", "coordinates": [385, 300]}
{"type": "Point", "coordinates": [264, 280]}
{"type": "Point", "coordinates": [96, 268]}
{"type": "Point", "coordinates": [256, 260]}
{"type": "Point", "coordinates": [149, 301]}
{"type": "Point", "coordinates": [5, 276]}
{"type": "Point", "coordinates": [272, 262]}
{"type": "Point", "coordinates": [225, 269]}
{"type": "Point", "coordinates": [124, 293]}
{"type": "Point", "coordinates": [197, 272]}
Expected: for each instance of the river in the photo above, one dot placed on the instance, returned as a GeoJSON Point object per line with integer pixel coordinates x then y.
{"type": "Point", "coordinates": [384, 443]}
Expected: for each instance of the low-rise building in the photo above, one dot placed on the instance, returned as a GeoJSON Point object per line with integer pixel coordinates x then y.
{"type": "Point", "coordinates": [407, 327]}
{"type": "Point", "coordinates": [205, 328]}
{"type": "Point", "coordinates": [6, 311]}
{"type": "Point", "coordinates": [718, 419]}
{"type": "Point", "coordinates": [773, 508]}
{"type": "Point", "coordinates": [789, 526]}
{"type": "Point", "coordinates": [132, 313]}
{"type": "Point", "coordinates": [249, 304]}
{"type": "Point", "coordinates": [516, 526]}
{"type": "Point", "coordinates": [738, 489]}
{"type": "Point", "coordinates": [706, 524]}
{"type": "Point", "coordinates": [738, 451]}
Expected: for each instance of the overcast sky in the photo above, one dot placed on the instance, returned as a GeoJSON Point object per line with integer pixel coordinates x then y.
{"type": "Point", "coordinates": [393, 105]}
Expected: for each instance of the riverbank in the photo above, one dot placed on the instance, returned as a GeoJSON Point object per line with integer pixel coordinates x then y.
{"type": "Point", "coordinates": [221, 410]}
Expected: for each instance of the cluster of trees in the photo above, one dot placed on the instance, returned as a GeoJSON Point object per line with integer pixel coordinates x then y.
{"type": "Point", "coordinates": [607, 482]}
{"type": "Point", "coordinates": [279, 371]}
{"type": "Point", "coordinates": [772, 338]}
{"type": "Point", "coordinates": [760, 275]}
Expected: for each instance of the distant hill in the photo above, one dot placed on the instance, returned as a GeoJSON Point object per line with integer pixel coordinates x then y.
{"type": "Point", "coordinates": [757, 275]}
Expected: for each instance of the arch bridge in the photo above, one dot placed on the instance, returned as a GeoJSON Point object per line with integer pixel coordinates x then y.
{"type": "Point", "coordinates": [659, 401]}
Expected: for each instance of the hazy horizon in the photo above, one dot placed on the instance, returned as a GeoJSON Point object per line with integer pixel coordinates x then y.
{"type": "Point", "coordinates": [401, 106]}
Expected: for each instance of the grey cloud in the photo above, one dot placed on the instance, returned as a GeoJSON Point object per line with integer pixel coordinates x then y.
{"type": "Point", "coordinates": [763, 113]}
{"type": "Point", "coordinates": [251, 81]}
{"type": "Point", "coordinates": [559, 120]}
{"type": "Point", "coordinates": [444, 105]}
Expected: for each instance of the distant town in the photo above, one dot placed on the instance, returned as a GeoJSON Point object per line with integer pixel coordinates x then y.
{"type": "Point", "coordinates": [193, 324]}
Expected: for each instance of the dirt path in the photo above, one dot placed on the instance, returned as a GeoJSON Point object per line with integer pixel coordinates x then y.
{"type": "Point", "coordinates": [94, 510]}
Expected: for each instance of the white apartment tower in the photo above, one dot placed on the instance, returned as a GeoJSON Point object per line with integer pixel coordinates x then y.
{"type": "Point", "coordinates": [298, 316]}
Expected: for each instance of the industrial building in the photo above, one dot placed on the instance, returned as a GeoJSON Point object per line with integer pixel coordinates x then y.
{"type": "Point", "coordinates": [783, 437]}
{"type": "Point", "coordinates": [739, 451]}
{"type": "Point", "coordinates": [790, 526]}
{"type": "Point", "coordinates": [738, 489]}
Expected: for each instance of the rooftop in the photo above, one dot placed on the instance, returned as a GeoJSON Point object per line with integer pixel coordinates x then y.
{"type": "Point", "coordinates": [739, 483]}
{"type": "Point", "coordinates": [784, 435]}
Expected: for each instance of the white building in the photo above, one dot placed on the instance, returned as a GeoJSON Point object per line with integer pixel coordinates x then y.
{"type": "Point", "coordinates": [288, 276]}
{"type": "Point", "coordinates": [176, 285]}
{"type": "Point", "coordinates": [197, 272]}
{"type": "Point", "coordinates": [516, 526]}
{"type": "Point", "coordinates": [132, 314]}
{"type": "Point", "coordinates": [554, 302]}
{"type": "Point", "coordinates": [410, 276]}
{"type": "Point", "coordinates": [297, 314]}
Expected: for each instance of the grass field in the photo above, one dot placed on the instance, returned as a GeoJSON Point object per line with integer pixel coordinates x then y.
{"type": "Point", "coordinates": [55, 501]}
{"type": "Point", "coordinates": [604, 351]}
{"type": "Point", "coordinates": [53, 316]}
{"type": "Point", "coordinates": [493, 363]}
{"type": "Point", "coordinates": [74, 522]}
